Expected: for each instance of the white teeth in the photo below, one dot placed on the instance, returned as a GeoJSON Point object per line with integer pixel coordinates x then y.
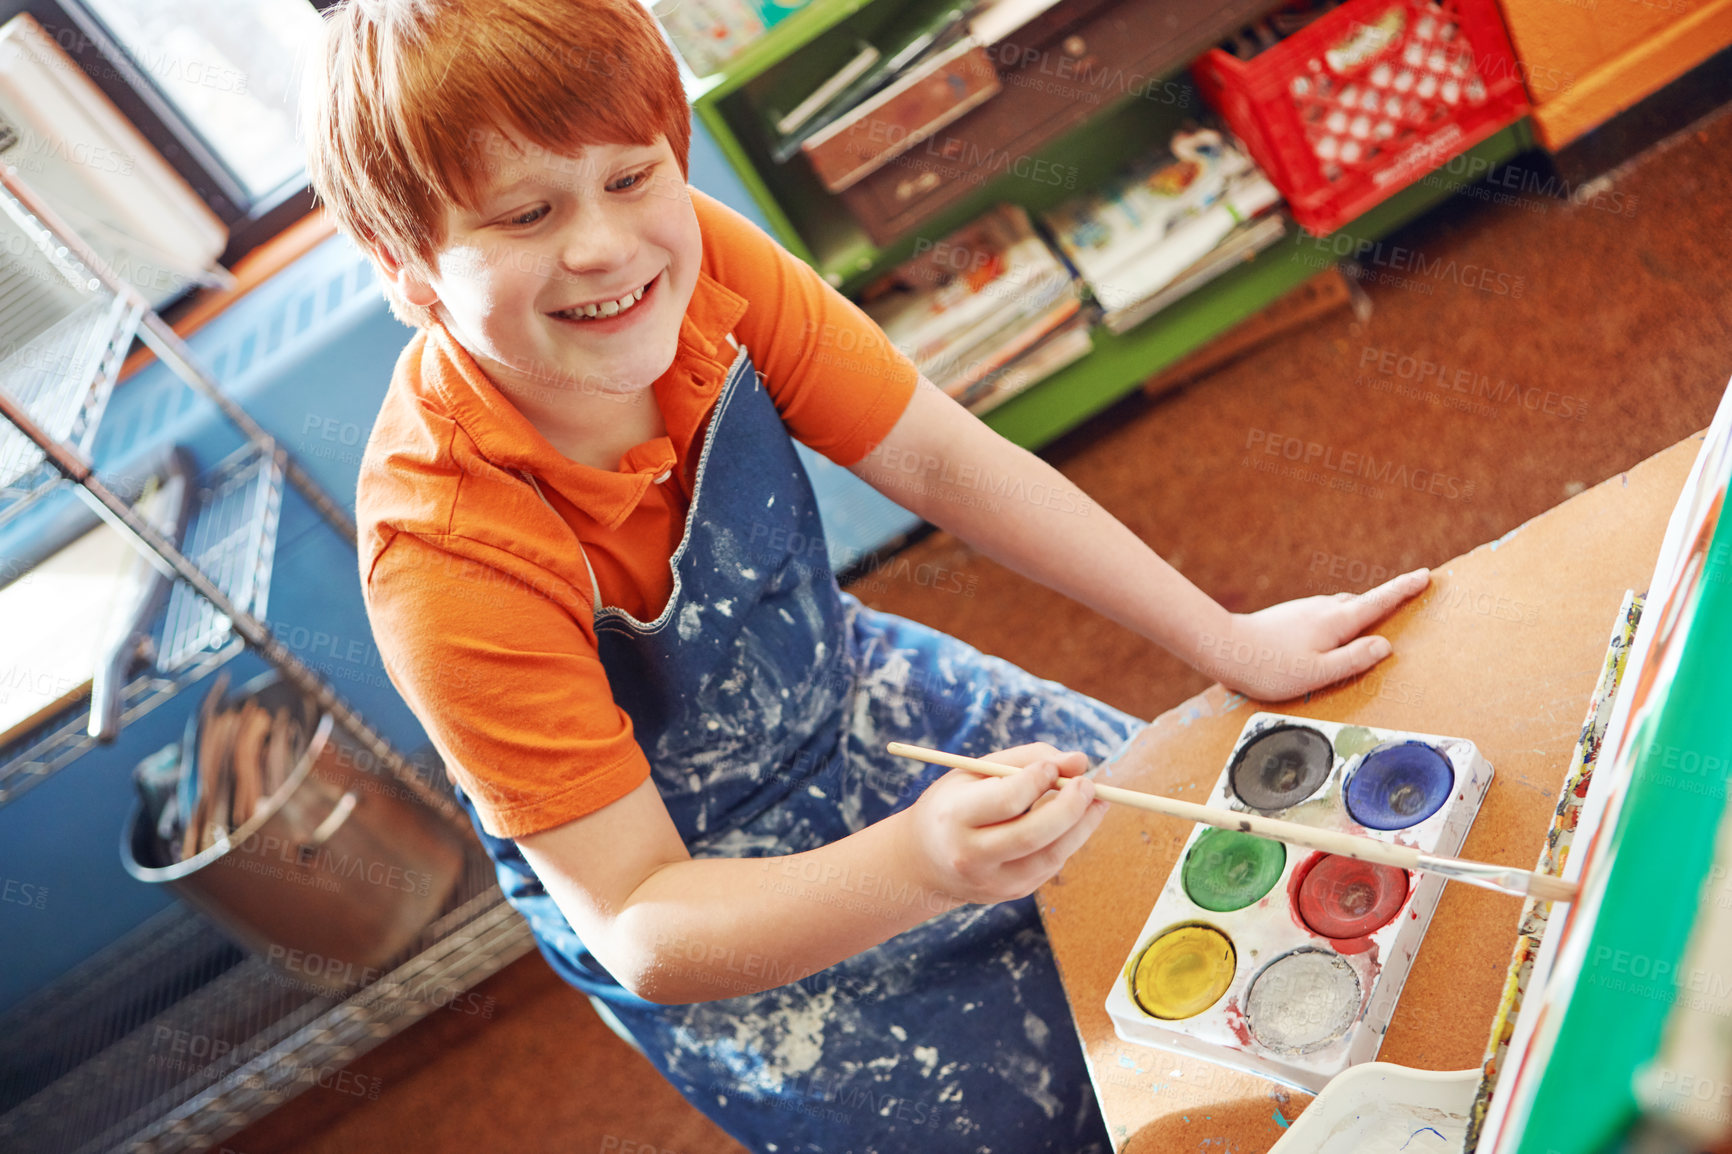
{"type": "Point", "coordinates": [605, 308]}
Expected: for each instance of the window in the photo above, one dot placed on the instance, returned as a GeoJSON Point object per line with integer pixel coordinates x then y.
{"type": "Point", "coordinates": [231, 68]}
{"type": "Point", "coordinates": [212, 84]}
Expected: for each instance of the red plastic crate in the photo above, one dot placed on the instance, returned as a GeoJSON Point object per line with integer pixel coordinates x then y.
{"type": "Point", "coordinates": [1373, 95]}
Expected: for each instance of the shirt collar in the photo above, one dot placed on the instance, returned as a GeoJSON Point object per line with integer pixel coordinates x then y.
{"type": "Point", "coordinates": [504, 436]}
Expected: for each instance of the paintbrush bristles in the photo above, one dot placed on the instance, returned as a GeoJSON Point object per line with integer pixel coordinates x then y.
{"type": "Point", "coordinates": [1510, 879]}
{"type": "Point", "coordinates": [1548, 888]}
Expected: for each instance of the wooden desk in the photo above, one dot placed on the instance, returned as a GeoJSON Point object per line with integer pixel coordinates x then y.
{"type": "Point", "coordinates": [1504, 649]}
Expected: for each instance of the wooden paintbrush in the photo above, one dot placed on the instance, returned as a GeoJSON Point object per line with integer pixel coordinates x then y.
{"type": "Point", "coordinates": [1504, 879]}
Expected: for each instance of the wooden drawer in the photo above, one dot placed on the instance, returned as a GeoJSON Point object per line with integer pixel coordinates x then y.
{"type": "Point", "coordinates": [1079, 59]}
{"type": "Point", "coordinates": [953, 84]}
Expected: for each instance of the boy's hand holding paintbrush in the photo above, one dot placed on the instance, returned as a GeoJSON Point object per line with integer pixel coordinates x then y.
{"type": "Point", "coordinates": [1000, 838]}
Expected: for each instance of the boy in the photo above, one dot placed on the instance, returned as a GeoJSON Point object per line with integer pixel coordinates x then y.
{"type": "Point", "coordinates": [669, 727]}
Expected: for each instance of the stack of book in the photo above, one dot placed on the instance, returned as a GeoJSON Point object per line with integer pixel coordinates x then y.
{"type": "Point", "coordinates": [927, 70]}
{"type": "Point", "coordinates": [985, 312]}
{"type": "Point", "coordinates": [912, 44]}
{"type": "Point", "coordinates": [1170, 225]}
{"type": "Point", "coordinates": [884, 101]}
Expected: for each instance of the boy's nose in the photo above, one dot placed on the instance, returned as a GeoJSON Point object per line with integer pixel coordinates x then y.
{"type": "Point", "coordinates": [597, 241]}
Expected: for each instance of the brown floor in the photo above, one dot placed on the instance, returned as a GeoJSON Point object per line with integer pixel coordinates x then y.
{"type": "Point", "coordinates": [1623, 317]}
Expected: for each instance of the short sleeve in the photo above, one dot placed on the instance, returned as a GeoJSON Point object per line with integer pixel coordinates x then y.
{"type": "Point", "coordinates": [838, 382]}
{"type": "Point", "coordinates": [507, 682]}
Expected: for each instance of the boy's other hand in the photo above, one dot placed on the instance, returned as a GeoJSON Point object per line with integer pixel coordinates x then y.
{"type": "Point", "coordinates": [994, 839]}
{"type": "Point", "coordinates": [1293, 648]}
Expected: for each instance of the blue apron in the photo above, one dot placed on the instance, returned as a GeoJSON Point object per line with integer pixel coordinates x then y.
{"type": "Point", "coordinates": [764, 697]}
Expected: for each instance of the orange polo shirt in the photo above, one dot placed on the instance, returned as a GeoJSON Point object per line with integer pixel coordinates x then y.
{"type": "Point", "coordinates": [476, 588]}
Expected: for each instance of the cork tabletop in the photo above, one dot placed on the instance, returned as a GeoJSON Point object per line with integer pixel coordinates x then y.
{"type": "Point", "coordinates": [1504, 649]}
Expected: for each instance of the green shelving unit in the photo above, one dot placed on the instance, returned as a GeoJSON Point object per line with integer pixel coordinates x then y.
{"type": "Point", "coordinates": [795, 56]}
{"type": "Point", "coordinates": [774, 73]}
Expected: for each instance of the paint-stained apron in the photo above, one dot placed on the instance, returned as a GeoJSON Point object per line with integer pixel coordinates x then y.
{"type": "Point", "coordinates": [763, 698]}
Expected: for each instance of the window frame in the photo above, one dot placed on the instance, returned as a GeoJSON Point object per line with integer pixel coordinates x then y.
{"type": "Point", "coordinates": [251, 221]}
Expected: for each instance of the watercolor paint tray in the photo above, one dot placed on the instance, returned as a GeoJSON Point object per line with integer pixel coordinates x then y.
{"type": "Point", "coordinates": [1279, 960]}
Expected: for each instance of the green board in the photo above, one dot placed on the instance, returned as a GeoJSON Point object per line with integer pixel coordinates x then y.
{"type": "Point", "coordinates": [1632, 973]}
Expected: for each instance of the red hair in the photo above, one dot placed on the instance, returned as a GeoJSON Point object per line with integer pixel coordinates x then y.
{"type": "Point", "coordinates": [402, 93]}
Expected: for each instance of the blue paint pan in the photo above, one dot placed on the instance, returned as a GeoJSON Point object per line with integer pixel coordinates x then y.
{"type": "Point", "coordinates": [1399, 785]}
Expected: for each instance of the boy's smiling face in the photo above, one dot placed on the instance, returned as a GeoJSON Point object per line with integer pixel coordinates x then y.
{"type": "Point", "coordinates": [569, 273]}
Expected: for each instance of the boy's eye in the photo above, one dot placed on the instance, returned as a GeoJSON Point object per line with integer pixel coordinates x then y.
{"type": "Point", "coordinates": [528, 216]}
{"type": "Point", "coordinates": [636, 179]}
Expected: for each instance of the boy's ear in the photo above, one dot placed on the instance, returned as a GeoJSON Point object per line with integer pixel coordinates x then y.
{"type": "Point", "coordinates": [412, 287]}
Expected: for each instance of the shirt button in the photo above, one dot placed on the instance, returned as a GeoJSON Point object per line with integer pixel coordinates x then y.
{"type": "Point", "coordinates": [664, 475]}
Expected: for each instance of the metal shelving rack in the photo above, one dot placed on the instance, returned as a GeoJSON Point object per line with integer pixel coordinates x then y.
{"type": "Point", "coordinates": [54, 404]}
{"type": "Point", "coordinates": [61, 375]}
{"type": "Point", "coordinates": [171, 1039]}
{"type": "Point", "coordinates": [234, 538]}
{"type": "Point", "coordinates": [83, 1066]}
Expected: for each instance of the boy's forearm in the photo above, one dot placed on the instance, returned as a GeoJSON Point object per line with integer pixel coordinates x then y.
{"type": "Point", "coordinates": [712, 928]}
{"type": "Point", "coordinates": [1079, 549]}
{"type": "Point", "coordinates": [1023, 513]}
